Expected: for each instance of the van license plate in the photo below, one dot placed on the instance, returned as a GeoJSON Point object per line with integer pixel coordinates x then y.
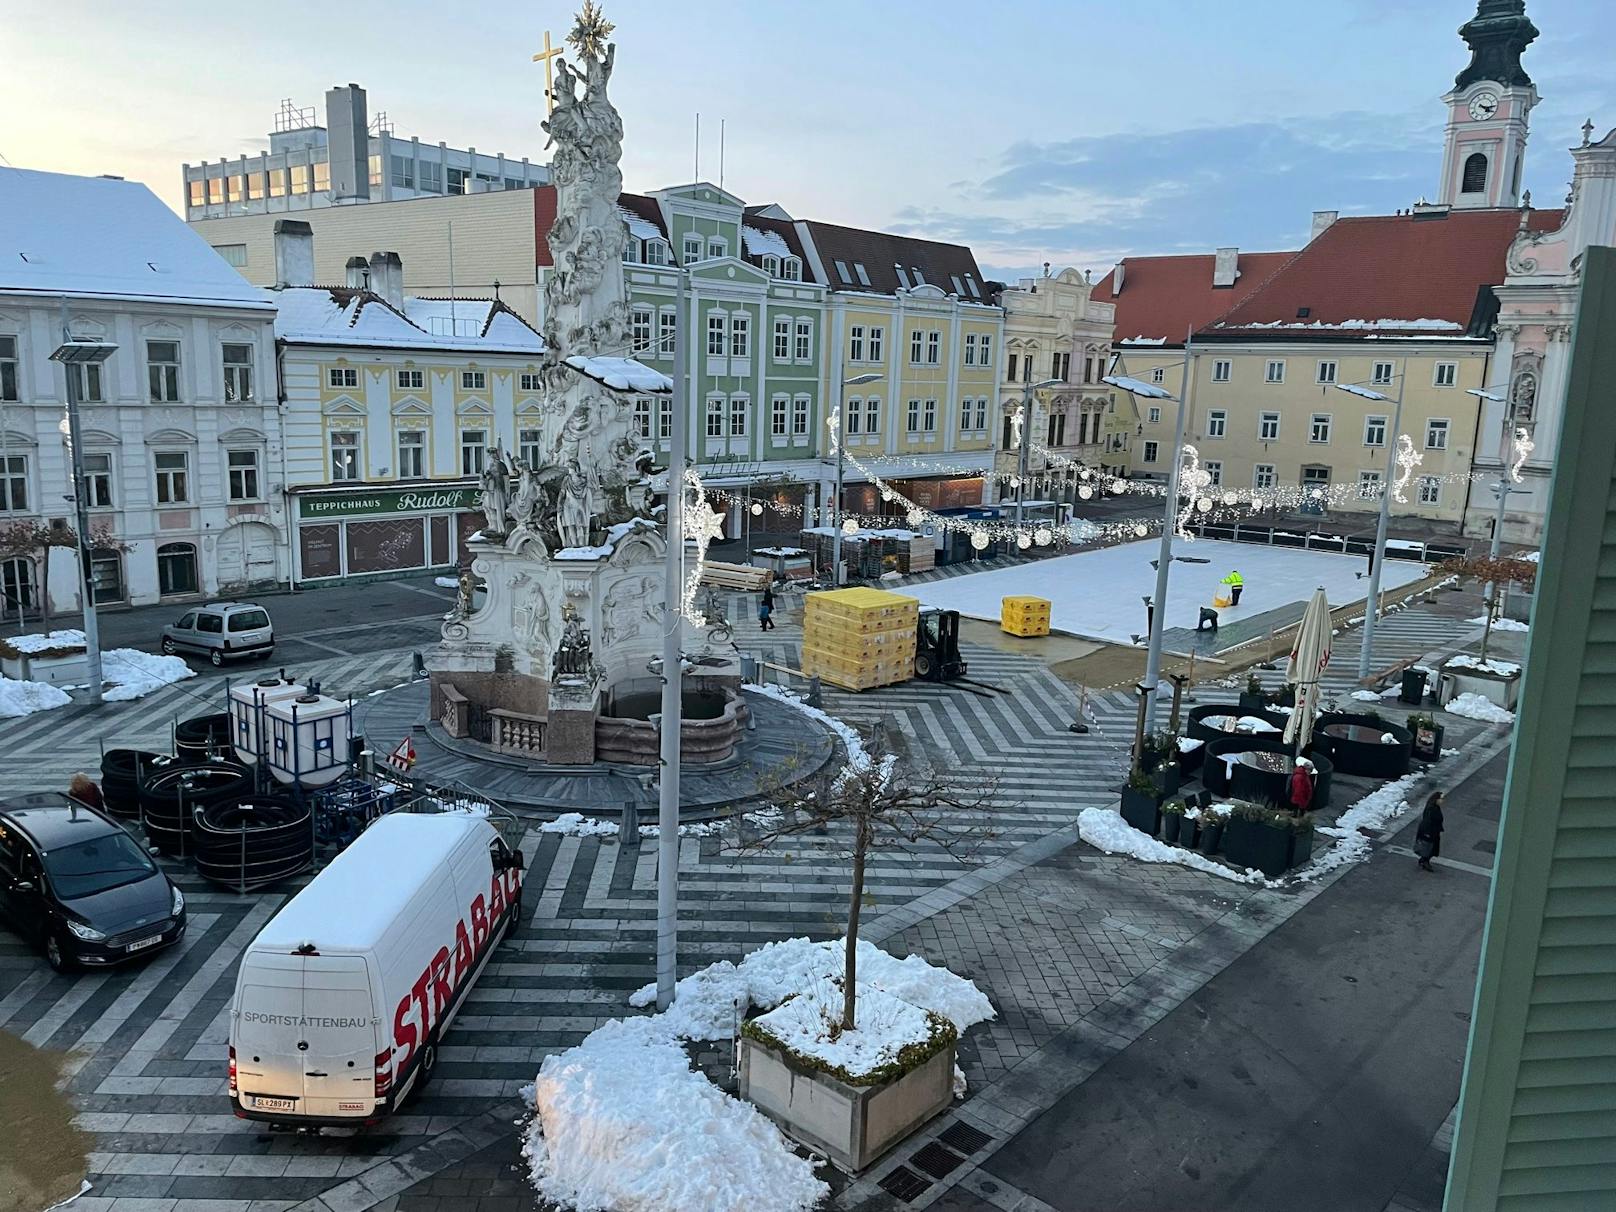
{"type": "Point", "coordinates": [142, 944]}
{"type": "Point", "coordinates": [273, 1104]}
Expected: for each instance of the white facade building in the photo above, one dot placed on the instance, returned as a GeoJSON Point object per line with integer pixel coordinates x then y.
{"type": "Point", "coordinates": [180, 430]}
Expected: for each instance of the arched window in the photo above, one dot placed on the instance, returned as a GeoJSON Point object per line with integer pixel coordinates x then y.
{"type": "Point", "coordinates": [176, 568]}
{"type": "Point", "coordinates": [18, 593]}
{"type": "Point", "coordinates": [1474, 180]}
{"type": "Point", "coordinates": [771, 266]}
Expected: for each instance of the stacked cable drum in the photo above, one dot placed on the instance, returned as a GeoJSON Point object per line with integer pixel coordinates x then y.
{"type": "Point", "coordinates": [1024, 616]}
{"type": "Point", "coordinates": [859, 639]}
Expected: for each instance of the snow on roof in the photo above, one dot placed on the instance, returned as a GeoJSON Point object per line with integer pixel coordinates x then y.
{"type": "Point", "coordinates": [100, 237]}
{"type": "Point", "coordinates": [350, 904]}
{"type": "Point", "coordinates": [639, 228]}
{"type": "Point", "coordinates": [1351, 325]}
{"type": "Point", "coordinates": [1145, 341]}
{"type": "Point", "coordinates": [1137, 387]}
{"type": "Point", "coordinates": [763, 243]}
{"type": "Point", "coordinates": [622, 374]}
{"type": "Point", "coordinates": [320, 315]}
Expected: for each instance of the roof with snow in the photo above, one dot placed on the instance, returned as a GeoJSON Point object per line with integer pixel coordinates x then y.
{"type": "Point", "coordinates": [765, 234]}
{"type": "Point", "coordinates": [1162, 298]}
{"type": "Point", "coordinates": [101, 237]}
{"type": "Point", "coordinates": [335, 315]}
{"type": "Point", "coordinates": [1424, 274]}
{"type": "Point", "coordinates": [890, 262]}
{"type": "Point", "coordinates": [643, 216]}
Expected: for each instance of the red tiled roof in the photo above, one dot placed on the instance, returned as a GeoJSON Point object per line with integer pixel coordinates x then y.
{"type": "Point", "coordinates": [1360, 273]}
{"type": "Point", "coordinates": [544, 214]}
{"type": "Point", "coordinates": [1162, 298]}
{"type": "Point", "coordinates": [881, 252]}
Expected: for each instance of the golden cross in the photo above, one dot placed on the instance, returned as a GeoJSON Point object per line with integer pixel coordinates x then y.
{"type": "Point", "coordinates": [545, 56]}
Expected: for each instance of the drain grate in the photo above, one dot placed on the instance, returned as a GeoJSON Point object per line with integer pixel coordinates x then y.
{"type": "Point", "coordinates": [903, 1183]}
{"type": "Point", "coordinates": [936, 1160]}
{"type": "Point", "coordinates": [962, 1138]}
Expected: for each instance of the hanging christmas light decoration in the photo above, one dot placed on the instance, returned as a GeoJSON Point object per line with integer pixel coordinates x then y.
{"type": "Point", "coordinates": [980, 540]}
{"type": "Point", "coordinates": [1043, 536]}
{"type": "Point", "coordinates": [1407, 460]}
{"type": "Point", "coordinates": [757, 509]}
{"type": "Point", "coordinates": [703, 524]}
{"type": "Point", "coordinates": [1524, 446]}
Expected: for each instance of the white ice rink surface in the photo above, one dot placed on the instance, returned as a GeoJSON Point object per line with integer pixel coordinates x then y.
{"type": "Point", "coordinates": [1098, 593]}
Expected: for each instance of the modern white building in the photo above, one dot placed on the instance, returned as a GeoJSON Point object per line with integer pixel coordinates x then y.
{"type": "Point", "coordinates": [351, 158]}
{"type": "Point", "coordinates": [181, 436]}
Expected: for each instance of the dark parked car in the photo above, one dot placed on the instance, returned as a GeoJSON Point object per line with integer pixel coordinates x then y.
{"type": "Point", "coordinates": [74, 883]}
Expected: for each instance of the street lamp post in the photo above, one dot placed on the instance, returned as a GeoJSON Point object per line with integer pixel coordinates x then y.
{"type": "Point", "coordinates": [1026, 442]}
{"type": "Point", "coordinates": [840, 438]}
{"type": "Point", "coordinates": [1372, 605]}
{"type": "Point", "coordinates": [72, 355]}
{"type": "Point", "coordinates": [1505, 484]}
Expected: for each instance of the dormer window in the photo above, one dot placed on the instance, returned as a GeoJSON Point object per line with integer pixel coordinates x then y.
{"type": "Point", "coordinates": [771, 266]}
{"type": "Point", "coordinates": [841, 272]}
{"type": "Point", "coordinates": [656, 252]}
{"type": "Point", "coordinates": [903, 276]}
{"type": "Point", "coordinates": [791, 269]}
{"type": "Point", "coordinates": [631, 251]}
{"type": "Point", "coordinates": [863, 274]}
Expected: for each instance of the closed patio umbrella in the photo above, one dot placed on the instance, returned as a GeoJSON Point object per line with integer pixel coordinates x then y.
{"type": "Point", "coordinates": [1310, 656]}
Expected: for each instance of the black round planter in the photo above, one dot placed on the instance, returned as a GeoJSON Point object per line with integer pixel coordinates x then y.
{"type": "Point", "coordinates": [202, 737]}
{"type": "Point", "coordinates": [1373, 759]}
{"type": "Point", "coordinates": [169, 797]}
{"type": "Point", "coordinates": [1200, 732]}
{"type": "Point", "coordinates": [254, 842]}
{"type": "Point", "coordinates": [1260, 786]}
{"type": "Point", "coordinates": [122, 771]}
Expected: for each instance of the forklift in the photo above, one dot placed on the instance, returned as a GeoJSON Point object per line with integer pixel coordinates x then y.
{"type": "Point", "coordinates": [937, 652]}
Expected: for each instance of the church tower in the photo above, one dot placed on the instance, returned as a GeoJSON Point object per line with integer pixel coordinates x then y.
{"type": "Point", "coordinates": [1488, 107]}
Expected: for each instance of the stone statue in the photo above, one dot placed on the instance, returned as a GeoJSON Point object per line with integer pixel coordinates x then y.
{"type": "Point", "coordinates": [572, 656]}
{"type": "Point", "coordinates": [531, 616]}
{"type": "Point", "coordinates": [525, 500]}
{"type": "Point", "coordinates": [496, 493]}
{"type": "Point", "coordinates": [463, 592]}
{"type": "Point", "coordinates": [573, 509]}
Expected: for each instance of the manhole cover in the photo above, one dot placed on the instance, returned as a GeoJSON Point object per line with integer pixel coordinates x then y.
{"type": "Point", "coordinates": [936, 1160]}
{"type": "Point", "coordinates": [963, 1138]}
{"type": "Point", "coordinates": [903, 1183]}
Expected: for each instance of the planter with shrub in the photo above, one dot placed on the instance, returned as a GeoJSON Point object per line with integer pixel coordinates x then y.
{"type": "Point", "coordinates": [1258, 836]}
{"type": "Point", "coordinates": [1213, 820]}
{"type": "Point", "coordinates": [1141, 802]}
{"type": "Point", "coordinates": [1172, 821]}
{"type": "Point", "coordinates": [1427, 736]}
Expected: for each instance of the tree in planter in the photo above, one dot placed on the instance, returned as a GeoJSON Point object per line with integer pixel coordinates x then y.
{"type": "Point", "coordinates": [884, 797]}
{"type": "Point", "coordinates": [24, 539]}
{"type": "Point", "coordinates": [1497, 573]}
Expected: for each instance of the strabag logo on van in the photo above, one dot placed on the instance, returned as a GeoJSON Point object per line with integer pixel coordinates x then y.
{"type": "Point", "coordinates": [422, 1008]}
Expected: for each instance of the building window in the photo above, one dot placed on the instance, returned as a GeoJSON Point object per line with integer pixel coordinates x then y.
{"type": "Point", "coordinates": [1319, 430]}
{"type": "Point", "coordinates": [530, 446]}
{"type": "Point", "coordinates": [737, 416]}
{"type": "Point", "coordinates": [917, 347]}
{"type": "Point", "coordinates": [17, 587]}
{"type": "Point", "coordinates": [740, 336]}
{"type": "Point", "coordinates": [342, 376]}
{"type": "Point", "coordinates": [1326, 371]}
{"type": "Point", "coordinates": [431, 177]}
{"type": "Point", "coordinates": [692, 249]}
{"type": "Point", "coordinates": [98, 480]}
{"type": "Point", "coordinates": [1026, 368]}
{"type": "Point", "coordinates": [1374, 431]}
{"type": "Point", "coordinates": [1217, 423]}
{"type": "Point", "coordinates": [667, 324]}
{"type": "Point", "coordinates": [411, 454]}
{"type": "Point", "coordinates": [799, 416]}
{"type": "Point", "coordinates": [1010, 370]}
{"type": "Point", "coordinates": [981, 414]}
{"type": "Point", "coordinates": [1382, 374]}
{"type": "Point", "coordinates": [934, 348]}
{"type": "Point", "coordinates": [970, 349]}
{"type": "Point", "coordinates": [106, 578]}
{"type": "Point", "coordinates": [1447, 374]}
{"type": "Point", "coordinates": [1268, 427]}
{"type": "Point", "coordinates": [173, 477]}
{"type": "Point", "coordinates": [780, 405]}
{"type": "Point", "coordinates": [1221, 370]}
{"type": "Point", "coordinates": [872, 416]}
{"type": "Point", "coordinates": [805, 341]}
{"type": "Point", "coordinates": [642, 419]}
{"type": "Point", "coordinates": [715, 417]}
{"type": "Point", "coordinates": [13, 483]}
{"type": "Point", "coordinates": [403, 172]}
{"type": "Point", "coordinates": [640, 329]}
{"type": "Point", "coordinates": [782, 340]}
{"type": "Point", "coordinates": [163, 371]}
{"type": "Point", "coordinates": [238, 373]}
{"type": "Point", "coordinates": [344, 457]}
{"type": "Point", "coordinates": [1430, 490]}
{"type": "Point", "coordinates": [929, 424]}
{"type": "Point", "coordinates": [656, 253]}
{"type": "Point", "coordinates": [176, 568]}
{"type": "Point", "coordinates": [855, 343]}
{"type": "Point", "coordinates": [233, 254]}
{"type": "Point", "coordinates": [1474, 178]}
{"type": "Point", "coordinates": [1213, 468]}
{"type": "Point", "coordinates": [1060, 367]}
{"type": "Point", "coordinates": [717, 330]}
{"type": "Point", "coordinates": [409, 380]}
{"type": "Point", "coordinates": [1369, 485]}
{"type": "Point", "coordinates": [1151, 449]}
{"type": "Point", "coordinates": [664, 424]}
{"type": "Point", "coordinates": [1262, 476]}
{"type": "Point", "coordinates": [791, 269]}
{"type": "Point", "coordinates": [1436, 434]}
{"type": "Point", "coordinates": [87, 379]}
{"type": "Point", "coordinates": [530, 381]}
{"type": "Point", "coordinates": [984, 350]}
{"type": "Point", "coordinates": [877, 337]}
{"type": "Point", "coordinates": [458, 179]}
{"type": "Point", "coordinates": [473, 451]}
{"type": "Point", "coordinates": [241, 467]}
{"type": "Point", "coordinates": [1275, 371]}
{"type": "Point", "coordinates": [1158, 375]}
{"type": "Point", "coordinates": [716, 248]}
{"type": "Point", "coordinates": [1153, 414]}
{"type": "Point", "coordinates": [473, 380]}
{"type": "Point", "coordinates": [8, 368]}
{"type": "Point", "coordinates": [771, 266]}
{"type": "Point", "coordinates": [913, 423]}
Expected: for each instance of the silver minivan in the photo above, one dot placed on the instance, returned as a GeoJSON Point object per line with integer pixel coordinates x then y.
{"type": "Point", "coordinates": [222, 631]}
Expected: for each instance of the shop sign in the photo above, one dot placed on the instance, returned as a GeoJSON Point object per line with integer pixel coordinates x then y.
{"type": "Point", "coordinates": [392, 501]}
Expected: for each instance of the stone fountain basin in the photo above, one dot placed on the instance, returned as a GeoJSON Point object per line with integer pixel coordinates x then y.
{"type": "Point", "coordinates": [625, 732]}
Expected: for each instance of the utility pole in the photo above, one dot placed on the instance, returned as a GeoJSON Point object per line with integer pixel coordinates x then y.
{"type": "Point", "coordinates": [1164, 560]}
{"type": "Point", "coordinates": [1372, 606]}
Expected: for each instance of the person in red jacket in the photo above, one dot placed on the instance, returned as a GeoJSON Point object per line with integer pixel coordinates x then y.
{"type": "Point", "coordinates": [1301, 786]}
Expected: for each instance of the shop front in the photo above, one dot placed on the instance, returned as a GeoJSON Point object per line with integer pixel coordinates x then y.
{"type": "Point", "coordinates": [957, 493]}
{"type": "Point", "coordinates": [381, 532]}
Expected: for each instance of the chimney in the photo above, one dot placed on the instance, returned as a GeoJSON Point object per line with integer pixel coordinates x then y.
{"type": "Point", "coordinates": [294, 253]}
{"type": "Point", "coordinates": [1321, 220]}
{"type": "Point", "coordinates": [1225, 266]}
{"type": "Point", "coordinates": [1116, 278]}
{"type": "Point", "coordinates": [348, 143]}
{"type": "Point", "coordinates": [387, 277]}
{"type": "Point", "coordinates": [358, 273]}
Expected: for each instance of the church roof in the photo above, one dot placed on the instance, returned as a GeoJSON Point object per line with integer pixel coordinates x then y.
{"type": "Point", "coordinates": [1162, 298]}
{"type": "Point", "coordinates": [1424, 274]}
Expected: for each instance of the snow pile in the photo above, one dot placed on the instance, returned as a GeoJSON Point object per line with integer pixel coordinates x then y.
{"type": "Point", "coordinates": [575, 824]}
{"type": "Point", "coordinates": [18, 699]}
{"type": "Point", "coordinates": [1504, 669]}
{"type": "Point", "coordinates": [1376, 808]}
{"type": "Point", "coordinates": [132, 674]}
{"type": "Point", "coordinates": [1367, 696]}
{"type": "Point", "coordinates": [446, 582]}
{"type": "Point", "coordinates": [1188, 744]}
{"type": "Point", "coordinates": [623, 1123]}
{"type": "Point", "coordinates": [1476, 707]}
{"type": "Point", "coordinates": [46, 641]}
{"type": "Point", "coordinates": [1501, 624]}
{"type": "Point", "coordinates": [622, 374]}
{"type": "Point", "coordinates": [1104, 829]}
{"type": "Point", "coordinates": [808, 1025]}
{"type": "Point", "coordinates": [856, 754]}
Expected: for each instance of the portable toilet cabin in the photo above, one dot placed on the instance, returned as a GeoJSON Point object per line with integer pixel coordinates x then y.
{"type": "Point", "coordinates": [310, 739]}
{"type": "Point", "coordinates": [249, 733]}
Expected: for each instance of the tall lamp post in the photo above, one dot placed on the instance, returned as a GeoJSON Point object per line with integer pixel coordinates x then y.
{"type": "Point", "coordinates": [1372, 606]}
{"type": "Point", "coordinates": [1026, 442]}
{"type": "Point", "coordinates": [73, 355]}
{"type": "Point", "coordinates": [839, 438]}
{"type": "Point", "coordinates": [673, 629]}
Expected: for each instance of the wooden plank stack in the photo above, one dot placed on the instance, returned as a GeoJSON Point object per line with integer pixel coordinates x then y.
{"type": "Point", "coordinates": [859, 639]}
{"type": "Point", "coordinates": [735, 576]}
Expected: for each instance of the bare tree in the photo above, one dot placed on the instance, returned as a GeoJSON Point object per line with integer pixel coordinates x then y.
{"type": "Point", "coordinates": [1497, 573]}
{"type": "Point", "coordinates": [885, 797]}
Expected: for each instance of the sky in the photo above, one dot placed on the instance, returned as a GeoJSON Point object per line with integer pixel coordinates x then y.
{"type": "Point", "coordinates": [1074, 133]}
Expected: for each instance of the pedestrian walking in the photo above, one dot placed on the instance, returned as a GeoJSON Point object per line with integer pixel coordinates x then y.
{"type": "Point", "coordinates": [1236, 583]}
{"type": "Point", "coordinates": [1302, 786]}
{"type": "Point", "coordinates": [1428, 836]}
{"type": "Point", "coordinates": [84, 790]}
{"type": "Point", "coordinates": [766, 610]}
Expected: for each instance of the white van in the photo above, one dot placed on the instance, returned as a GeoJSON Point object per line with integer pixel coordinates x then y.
{"type": "Point", "coordinates": [343, 997]}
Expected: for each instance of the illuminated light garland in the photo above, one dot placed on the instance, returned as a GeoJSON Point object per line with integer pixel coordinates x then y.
{"type": "Point", "coordinates": [1524, 446]}
{"type": "Point", "coordinates": [1407, 460]}
{"type": "Point", "coordinates": [702, 523]}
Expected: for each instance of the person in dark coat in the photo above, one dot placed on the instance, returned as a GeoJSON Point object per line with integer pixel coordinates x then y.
{"type": "Point", "coordinates": [1428, 837]}
{"type": "Point", "coordinates": [1301, 786]}
{"type": "Point", "coordinates": [84, 790]}
{"type": "Point", "coordinates": [766, 610]}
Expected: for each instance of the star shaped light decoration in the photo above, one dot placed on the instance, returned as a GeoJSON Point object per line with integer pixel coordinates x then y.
{"type": "Point", "coordinates": [590, 32]}
{"type": "Point", "coordinates": [702, 523]}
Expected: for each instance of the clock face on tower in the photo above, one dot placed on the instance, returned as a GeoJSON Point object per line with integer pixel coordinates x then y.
{"type": "Point", "coordinates": [1483, 106]}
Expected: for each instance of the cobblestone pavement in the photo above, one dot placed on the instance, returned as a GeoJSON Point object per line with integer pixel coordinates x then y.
{"type": "Point", "coordinates": [1070, 945]}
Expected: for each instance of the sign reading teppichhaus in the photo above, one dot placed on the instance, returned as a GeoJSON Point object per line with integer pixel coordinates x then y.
{"type": "Point", "coordinates": [384, 530]}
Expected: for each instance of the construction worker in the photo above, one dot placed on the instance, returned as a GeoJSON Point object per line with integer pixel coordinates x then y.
{"type": "Point", "coordinates": [1236, 583]}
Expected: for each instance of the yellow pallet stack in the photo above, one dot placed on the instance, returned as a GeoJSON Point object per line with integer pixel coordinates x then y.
{"type": "Point", "coordinates": [859, 639]}
{"type": "Point", "coordinates": [1024, 616]}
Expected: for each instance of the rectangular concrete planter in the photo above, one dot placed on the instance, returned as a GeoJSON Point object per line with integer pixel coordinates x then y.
{"type": "Point", "coordinates": [1502, 691]}
{"type": "Point", "coordinates": [851, 1125]}
{"type": "Point", "coordinates": [69, 669]}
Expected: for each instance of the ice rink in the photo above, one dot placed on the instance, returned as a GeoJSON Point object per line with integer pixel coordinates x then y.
{"type": "Point", "coordinates": [1097, 594]}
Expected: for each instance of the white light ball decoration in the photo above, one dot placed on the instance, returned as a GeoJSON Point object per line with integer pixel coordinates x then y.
{"type": "Point", "coordinates": [1023, 540]}
{"type": "Point", "coordinates": [914, 517]}
{"type": "Point", "coordinates": [1141, 530]}
{"type": "Point", "coordinates": [1043, 536]}
{"type": "Point", "coordinates": [757, 509]}
{"type": "Point", "coordinates": [979, 539]}
{"type": "Point", "coordinates": [1119, 486]}
{"type": "Point", "coordinates": [1317, 494]}
{"type": "Point", "coordinates": [1015, 481]}
{"type": "Point", "coordinates": [1204, 504]}
{"type": "Point", "coordinates": [1229, 498]}
{"type": "Point", "coordinates": [1085, 492]}
{"type": "Point", "coordinates": [886, 494]}
{"type": "Point", "coordinates": [1084, 474]}
{"type": "Point", "coordinates": [850, 527]}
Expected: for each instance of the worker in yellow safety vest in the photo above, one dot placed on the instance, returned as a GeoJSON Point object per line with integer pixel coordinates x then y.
{"type": "Point", "coordinates": [1236, 583]}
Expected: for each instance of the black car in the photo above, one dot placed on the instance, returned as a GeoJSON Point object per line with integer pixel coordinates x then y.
{"type": "Point", "coordinates": [80, 887]}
